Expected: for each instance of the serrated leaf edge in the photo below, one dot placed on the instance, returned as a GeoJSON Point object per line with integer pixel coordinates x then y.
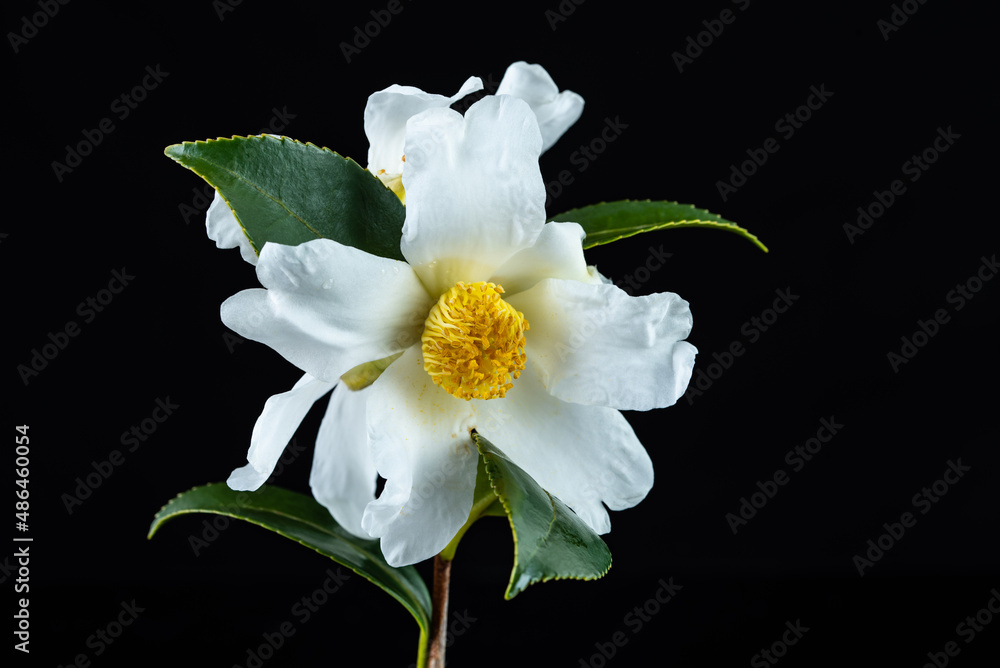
{"type": "Point", "coordinates": [727, 226]}
{"type": "Point", "coordinates": [160, 521]}
{"type": "Point", "coordinates": [262, 137]}
{"type": "Point", "coordinates": [509, 594]}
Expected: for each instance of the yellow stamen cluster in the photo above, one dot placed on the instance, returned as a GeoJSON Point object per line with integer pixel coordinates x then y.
{"type": "Point", "coordinates": [473, 342]}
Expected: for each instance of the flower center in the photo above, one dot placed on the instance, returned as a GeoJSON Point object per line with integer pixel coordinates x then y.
{"type": "Point", "coordinates": [393, 182]}
{"type": "Point", "coordinates": [473, 342]}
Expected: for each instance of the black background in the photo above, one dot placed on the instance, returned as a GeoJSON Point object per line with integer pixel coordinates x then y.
{"type": "Point", "coordinates": [826, 357]}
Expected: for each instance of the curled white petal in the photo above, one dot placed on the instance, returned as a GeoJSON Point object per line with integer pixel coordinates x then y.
{"type": "Point", "coordinates": [555, 110]}
{"type": "Point", "coordinates": [226, 231]}
{"type": "Point", "coordinates": [557, 253]}
{"type": "Point", "coordinates": [343, 472]}
{"type": "Point", "coordinates": [588, 456]}
{"type": "Point", "coordinates": [474, 192]}
{"type": "Point", "coordinates": [595, 344]}
{"type": "Point", "coordinates": [329, 307]}
{"type": "Point", "coordinates": [274, 428]}
{"type": "Point", "coordinates": [385, 120]}
{"type": "Point", "coordinates": [420, 440]}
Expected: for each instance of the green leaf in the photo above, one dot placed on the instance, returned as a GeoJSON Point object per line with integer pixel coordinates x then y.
{"type": "Point", "coordinates": [284, 191]}
{"type": "Point", "coordinates": [611, 221]}
{"type": "Point", "coordinates": [302, 519]}
{"type": "Point", "coordinates": [550, 541]}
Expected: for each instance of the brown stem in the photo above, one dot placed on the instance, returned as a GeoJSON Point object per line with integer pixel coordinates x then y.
{"type": "Point", "coordinates": [439, 616]}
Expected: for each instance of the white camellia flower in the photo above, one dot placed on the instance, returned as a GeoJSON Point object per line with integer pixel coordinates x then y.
{"type": "Point", "coordinates": [335, 475]}
{"type": "Point", "coordinates": [500, 326]}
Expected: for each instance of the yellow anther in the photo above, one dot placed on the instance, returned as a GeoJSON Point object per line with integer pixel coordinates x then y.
{"type": "Point", "coordinates": [473, 342]}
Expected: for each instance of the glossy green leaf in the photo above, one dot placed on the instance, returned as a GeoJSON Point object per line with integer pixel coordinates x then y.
{"type": "Point", "coordinates": [611, 221]}
{"type": "Point", "coordinates": [284, 191]}
{"type": "Point", "coordinates": [550, 541]}
{"type": "Point", "coordinates": [302, 519]}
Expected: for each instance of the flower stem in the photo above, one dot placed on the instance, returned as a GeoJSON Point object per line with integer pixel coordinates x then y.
{"type": "Point", "coordinates": [422, 649]}
{"type": "Point", "coordinates": [439, 617]}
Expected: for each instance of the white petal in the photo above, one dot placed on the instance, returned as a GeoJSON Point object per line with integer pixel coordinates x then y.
{"type": "Point", "coordinates": [343, 473]}
{"type": "Point", "coordinates": [226, 231]}
{"type": "Point", "coordinates": [329, 307]}
{"type": "Point", "coordinates": [557, 253]}
{"type": "Point", "coordinates": [474, 193]}
{"type": "Point", "coordinates": [597, 345]}
{"type": "Point", "coordinates": [585, 455]}
{"type": "Point", "coordinates": [420, 439]}
{"type": "Point", "coordinates": [274, 428]}
{"type": "Point", "coordinates": [385, 120]}
{"type": "Point", "coordinates": [555, 111]}
{"type": "Point", "coordinates": [596, 276]}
